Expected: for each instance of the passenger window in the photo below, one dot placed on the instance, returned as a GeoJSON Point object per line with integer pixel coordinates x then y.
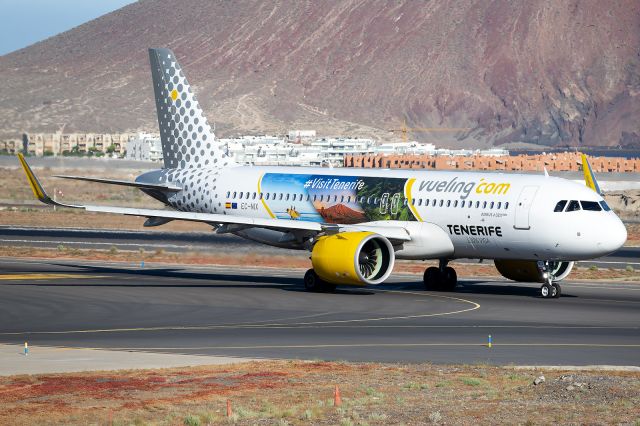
{"type": "Point", "coordinates": [573, 206]}
{"type": "Point", "coordinates": [477, 204]}
{"type": "Point", "coordinates": [484, 205]}
{"type": "Point", "coordinates": [342, 198]}
{"type": "Point", "coordinates": [491, 205]}
{"type": "Point", "coordinates": [462, 203]}
{"type": "Point", "coordinates": [455, 203]}
{"type": "Point", "coordinates": [280, 197]}
{"type": "Point", "coordinates": [228, 194]}
{"type": "Point", "coordinates": [253, 196]}
{"type": "Point", "coordinates": [605, 206]}
{"type": "Point", "coordinates": [308, 197]}
{"type": "Point", "coordinates": [246, 195]}
{"type": "Point", "coordinates": [560, 206]}
{"type": "Point", "coordinates": [448, 203]}
{"type": "Point", "coordinates": [413, 202]}
{"type": "Point", "coordinates": [441, 203]}
{"type": "Point", "coordinates": [591, 206]}
{"type": "Point", "coordinates": [260, 196]}
{"type": "Point", "coordinates": [287, 197]}
{"type": "Point", "coordinates": [266, 196]}
{"type": "Point", "coordinates": [506, 205]}
{"type": "Point", "coordinates": [405, 202]}
{"type": "Point", "coordinates": [433, 202]}
{"type": "Point", "coordinates": [419, 201]}
{"type": "Point", "coordinates": [240, 197]}
{"type": "Point", "coordinates": [499, 205]}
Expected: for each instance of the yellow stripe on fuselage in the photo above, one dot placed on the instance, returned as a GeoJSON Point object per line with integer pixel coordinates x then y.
{"type": "Point", "coordinates": [264, 203]}
{"type": "Point", "coordinates": [407, 193]}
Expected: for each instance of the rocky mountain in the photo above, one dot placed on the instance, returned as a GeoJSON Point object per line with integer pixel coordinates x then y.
{"type": "Point", "coordinates": [339, 213]}
{"type": "Point", "coordinates": [536, 71]}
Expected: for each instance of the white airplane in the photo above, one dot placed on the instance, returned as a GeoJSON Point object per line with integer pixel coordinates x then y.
{"type": "Point", "coordinates": [356, 222]}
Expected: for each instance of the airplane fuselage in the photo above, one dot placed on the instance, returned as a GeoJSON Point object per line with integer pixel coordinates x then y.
{"type": "Point", "coordinates": [483, 214]}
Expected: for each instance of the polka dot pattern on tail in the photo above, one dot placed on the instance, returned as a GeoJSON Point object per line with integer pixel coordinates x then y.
{"type": "Point", "coordinates": [183, 126]}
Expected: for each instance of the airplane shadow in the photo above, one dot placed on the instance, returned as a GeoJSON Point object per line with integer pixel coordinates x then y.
{"type": "Point", "coordinates": [215, 280]}
{"type": "Point", "coordinates": [471, 287]}
{"type": "Point", "coordinates": [293, 284]}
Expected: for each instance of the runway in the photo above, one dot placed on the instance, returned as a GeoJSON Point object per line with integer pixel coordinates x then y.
{"type": "Point", "coordinates": [268, 314]}
{"type": "Point", "coordinates": [198, 241]}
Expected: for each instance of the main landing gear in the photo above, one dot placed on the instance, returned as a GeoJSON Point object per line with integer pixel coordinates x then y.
{"type": "Point", "coordinates": [443, 278]}
{"type": "Point", "coordinates": [549, 289]}
{"type": "Point", "coordinates": [313, 282]}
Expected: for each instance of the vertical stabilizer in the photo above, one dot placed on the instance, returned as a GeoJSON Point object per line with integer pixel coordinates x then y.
{"type": "Point", "coordinates": [187, 139]}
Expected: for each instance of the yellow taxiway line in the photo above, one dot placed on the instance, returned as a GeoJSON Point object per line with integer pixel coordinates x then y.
{"type": "Point", "coordinates": [21, 277]}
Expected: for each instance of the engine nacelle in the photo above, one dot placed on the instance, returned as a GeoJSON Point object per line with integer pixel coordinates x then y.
{"type": "Point", "coordinates": [353, 258]}
{"type": "Point", "coordinates": [527, 270]}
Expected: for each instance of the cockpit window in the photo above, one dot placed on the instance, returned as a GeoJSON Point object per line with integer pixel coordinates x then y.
{"type": "Point", "coordinates": [573, 206]}
{"type": "Point", "coordinates": [591, 206]}
{"type": "Point", "coordinates": [560, 206]}
{"type": "Point", "coordinates": [605, 206]}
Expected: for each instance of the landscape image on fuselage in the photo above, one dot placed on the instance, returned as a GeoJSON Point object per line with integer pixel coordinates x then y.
{"type": "Point", "coordinates": [335, 199]}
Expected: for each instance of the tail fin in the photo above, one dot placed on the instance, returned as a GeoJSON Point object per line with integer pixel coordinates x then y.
{"type": "Point", "coordinates": [187, 139]}
{"type": "Point", "coordinates": [589, 177]}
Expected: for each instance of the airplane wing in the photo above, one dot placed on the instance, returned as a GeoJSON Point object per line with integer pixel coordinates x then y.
{"type": "Point", "coordinates": [397, 234]}
{"type": "Point", "coordinates": [139, 185]}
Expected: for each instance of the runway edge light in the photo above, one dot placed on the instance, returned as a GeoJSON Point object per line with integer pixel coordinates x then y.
{"type": "Point", "coordinates": [489, 342]}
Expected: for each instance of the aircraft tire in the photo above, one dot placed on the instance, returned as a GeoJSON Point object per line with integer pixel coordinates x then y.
{"type": "Point", "coordinates": [449, 279]}
{"type": "Point", "coordinates": [547, 291]}
{"type": "Point", "coordinates": [558, 289]}
{"type": "Point", "coordinates": [432, 278]}
{"type": "Point", "coordinates": [312, 281]}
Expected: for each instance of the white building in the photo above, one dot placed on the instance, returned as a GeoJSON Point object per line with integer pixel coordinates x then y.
{"type": "Point", "coordinates": [281, 151]}
{"type": "Point", "coordinates": [144, 147]}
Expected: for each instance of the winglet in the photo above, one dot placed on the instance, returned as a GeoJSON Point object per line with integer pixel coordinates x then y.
{"type": "Point", "coordinates": [589, 177]}
{"type": "Point", "coordinates": [36, 187]}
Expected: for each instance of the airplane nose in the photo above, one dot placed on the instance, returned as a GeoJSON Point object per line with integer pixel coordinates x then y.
{"type": "Point", "coordinates": [614, 236]}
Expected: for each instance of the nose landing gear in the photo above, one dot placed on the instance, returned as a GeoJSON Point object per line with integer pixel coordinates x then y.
{"type": "Point", "coordinates": [549, 289]}
{"type": "Point", "coordinates": [443, 278]}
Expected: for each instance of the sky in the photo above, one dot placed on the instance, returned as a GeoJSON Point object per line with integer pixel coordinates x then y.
{"type": "Point", "coordinates": [25, 22]}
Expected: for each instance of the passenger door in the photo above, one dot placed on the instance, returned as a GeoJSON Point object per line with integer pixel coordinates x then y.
{"type": "Point", "coordinates": [523, 206]}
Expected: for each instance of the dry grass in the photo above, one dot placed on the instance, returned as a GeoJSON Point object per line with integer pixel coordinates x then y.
{"type": "Point", "coordinates": [296, 392]}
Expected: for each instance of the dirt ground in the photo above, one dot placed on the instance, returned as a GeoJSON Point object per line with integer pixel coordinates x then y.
{"type": "Point", "coordinates": [297, 392]}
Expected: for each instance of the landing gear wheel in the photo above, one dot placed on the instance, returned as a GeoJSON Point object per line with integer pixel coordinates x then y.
{"type": "Point", "coordinates": [558, 290]}
{"type": "Point", "coordinates": [547, 291]}
{"type": "Point", "coordinates": [449, 279]}
{"type": "Point", "coordinates": [432, 278]}
{"type": "Point", "coordinates": [313, 282]}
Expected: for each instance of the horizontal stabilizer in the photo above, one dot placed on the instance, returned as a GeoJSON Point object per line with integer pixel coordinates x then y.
{"type": "Point", "coordinates": [140, 185]}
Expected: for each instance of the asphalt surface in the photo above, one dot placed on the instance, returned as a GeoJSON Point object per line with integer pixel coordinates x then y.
{"type": "Point", "coordinates": [198, 241]}
{"type": "Point", "coordinates": [268, 314]}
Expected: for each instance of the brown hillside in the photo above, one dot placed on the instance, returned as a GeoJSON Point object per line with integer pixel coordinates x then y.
{"type": "Point", "coordinates": [339, 213]}
{"type": "Point", "coordinates": [541, 71]}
